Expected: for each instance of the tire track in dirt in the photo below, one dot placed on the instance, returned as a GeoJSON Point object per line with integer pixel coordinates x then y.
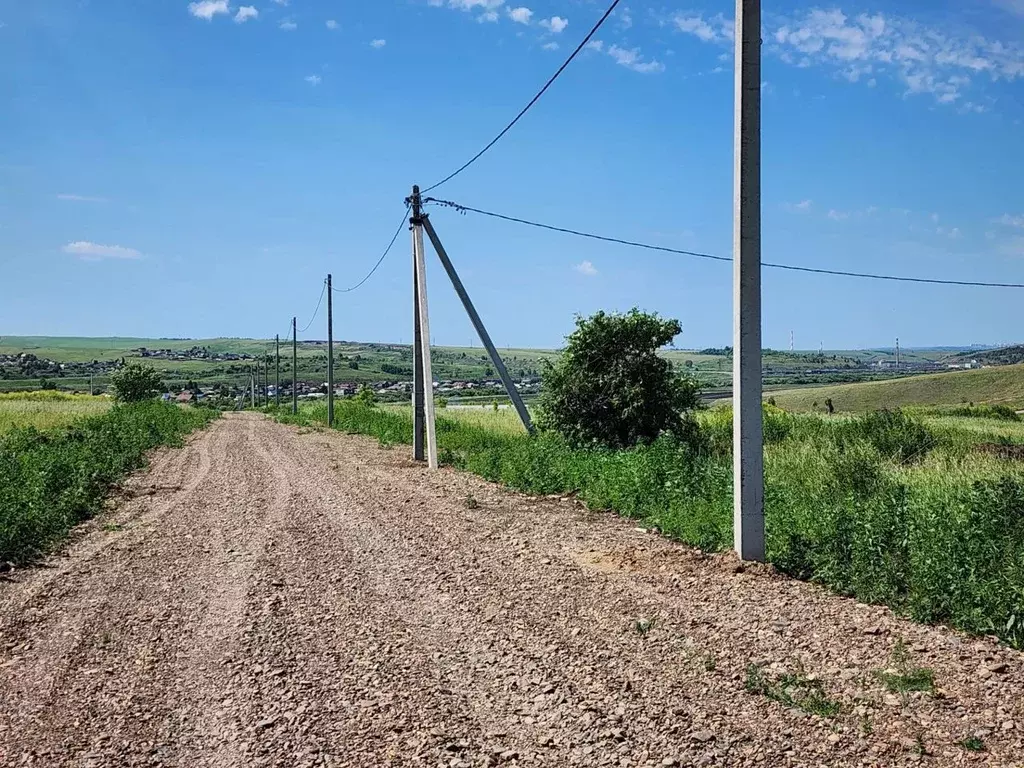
{"type": "Point", "coordinates": [315, 600]}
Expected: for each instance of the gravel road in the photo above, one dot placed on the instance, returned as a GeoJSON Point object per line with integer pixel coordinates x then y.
{"type": "Point", "coordinates": [284, 597]}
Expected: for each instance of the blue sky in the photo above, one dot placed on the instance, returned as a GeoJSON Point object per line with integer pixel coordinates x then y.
{"type": "Point", "coordinates": [194, 169]}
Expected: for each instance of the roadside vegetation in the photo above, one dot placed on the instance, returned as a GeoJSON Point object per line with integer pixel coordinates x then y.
{"type": "Point", "coordinates": [892, 507]}
{"type": "Point", "coordinates": [47, 409]}
{"type": "Point", "coordinates": [54, 476]}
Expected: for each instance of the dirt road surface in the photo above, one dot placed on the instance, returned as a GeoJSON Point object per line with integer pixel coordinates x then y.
{"type": "Point", "coordinates": [269, 596]}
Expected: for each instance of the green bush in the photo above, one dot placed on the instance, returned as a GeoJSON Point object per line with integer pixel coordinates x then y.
{"type": "Point", "coordinates": [50, 481]}
{"type": "Point", "coordinates": [610, 388]}
{"type": "Point", "coordinates": [135, 382]}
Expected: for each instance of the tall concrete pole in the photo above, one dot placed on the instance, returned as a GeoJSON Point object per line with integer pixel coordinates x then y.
{"type": "Point", "coordinates": [277, 370]}
{"type": "Point", "coordinates": [295, 366]}
{"type": "Point", "coordinates": [748, 435]}
{"type": "Point", "coordinates": [330, 354]}
{"type": "Point", "coordinates": [421, 292]}
{"type": "Point", "coordinates": [419, 425]}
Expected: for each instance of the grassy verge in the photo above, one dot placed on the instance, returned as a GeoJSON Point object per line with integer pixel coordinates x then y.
{"type": "Point", "coordinates": [51, 480]}
{"type": "Point", "coordinates": [883, 507]}
{"type": "Point", "coordinates": [47, 409]}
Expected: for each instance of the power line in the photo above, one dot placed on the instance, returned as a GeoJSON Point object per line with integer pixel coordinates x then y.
{"type": "Point", "coordinates": [317, 310]}
{"type": "Point", "coordinates": [381, 259]}
{"type": "Point", "coordinates": [533, 101]}
{"type": "Point", "coordinates": [696, 254]}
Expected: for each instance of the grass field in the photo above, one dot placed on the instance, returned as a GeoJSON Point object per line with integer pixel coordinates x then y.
{"type": "Point", "coordinates": [1001, 385]}
{"type": "Point", "coordinates": [895, 508]}
{"type": "Point", "coordinates": [46, 410]}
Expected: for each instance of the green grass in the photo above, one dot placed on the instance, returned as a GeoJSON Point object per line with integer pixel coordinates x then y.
{"type": "Point", "coordinates": [47, 409]}
{"type": "Point", "coordinates": [998, 386]}
{"type": "Point", "coordinates": [52, 479]}
{"type": "Point", "coordinates": [884, 507]}
{"type": "Point", "coordinates": [794, 689]}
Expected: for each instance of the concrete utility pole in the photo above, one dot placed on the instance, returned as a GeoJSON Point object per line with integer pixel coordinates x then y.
{"type": "Point", "coordinates": [419, 425]}
{"type": "Point", "coordinates": [277, 370]}
{"type": "Point", "coordinates": [252, 388]}
{"type": "Point", "coordinates": [330, 354]}
{"type": "Point", "coordinates": [295, 367]}
{"type": "Point", "coordinates": [748, 434]}
{"type": "Point", "coordinates": [897, 353]}
{"type": "Point", "coordinates": [424, 315]}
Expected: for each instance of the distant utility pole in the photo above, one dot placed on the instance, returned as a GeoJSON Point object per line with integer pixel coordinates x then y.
{"type": "Point", "coordinates": [748, 428]}
{"type": "Point", "coordinates": [295, 367]}
{"type": "Point", "coordinates": [897, 352]}
{"type": "Point", "coordinates": [330, 354]}
{"type": "Point", "coordinates": [252, 388]}
{"type": "Point", "coordinates": [792, 343]}
{"type": "Point", "coordinates": [277, 369]}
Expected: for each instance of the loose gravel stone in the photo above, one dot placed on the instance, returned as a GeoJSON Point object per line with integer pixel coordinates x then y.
{"type": "Point", "coordinates": [291, 599]}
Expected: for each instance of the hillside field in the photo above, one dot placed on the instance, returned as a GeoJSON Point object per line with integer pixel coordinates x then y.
{"type": "Point", "coordinates": [998, 386]}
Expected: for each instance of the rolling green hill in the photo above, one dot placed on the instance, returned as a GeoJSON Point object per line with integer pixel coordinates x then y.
{"type": "Point", "coordinates": [1003, 385]}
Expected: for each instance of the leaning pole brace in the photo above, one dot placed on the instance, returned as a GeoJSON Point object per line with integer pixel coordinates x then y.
{"type": "Point", "coordinates": [748, 450]}
{"type": "Point", "coordinates": [478, 324]}
{"type": "Point", "coordinates": [421, 295]}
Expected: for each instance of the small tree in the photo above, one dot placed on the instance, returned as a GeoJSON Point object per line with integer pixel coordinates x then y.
{"type": "Point", "coordinates": [367, 397]}
{"type": "Point", "coordinates": [133, 382]}
{"type": "Point", "coordinates": [611, 388]}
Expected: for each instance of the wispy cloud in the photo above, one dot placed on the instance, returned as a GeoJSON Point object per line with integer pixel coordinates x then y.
{"type": "Point", "coordinates": [288, 25]}
{"type": "Point", "coordinates": [312, 79]}
{"type": "Point", "coordinates": [802, 207]}
{"type": "Point", "coordinates": [586, 268]}
{"type": "Point", "coordinates": [520, 15]}
{"type": "Point", "coordinates": [81, 198]}
{"type": "Point", "coordinates": [838, 215]}
{"type": "Point", "coordinates": [281, 2]}
{"type": "Point", "coordinates": [379, 43]}
{"type": "Point", "coordinates": [631, 58]}
{"type": "Point", "coordinates": [332, 24]}
{"type": "Point", "coordinates": [552, 46]}
{"type": "Point", "coordinates": [207, 9]}
{"type": "Point", "coordinates": [87, 251]}
{"type": "Point", "coordinates": [919, 59]}
{"type": "Point", "coordinates": [245, 13]}
{"type": "Point", "coordinates": [1009, 220]}
{"type": "Point", "coordinates": [555, 25]}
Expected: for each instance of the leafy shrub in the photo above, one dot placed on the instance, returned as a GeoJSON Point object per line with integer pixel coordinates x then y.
{"type": "Point", "coordinates": [894, 434]}
{"type": "Point", "coordinates": [134, 382]}
{"type": "Point", "coordinates": [610, 388]}
{"type": "Point", "coordinates": [50, 481]}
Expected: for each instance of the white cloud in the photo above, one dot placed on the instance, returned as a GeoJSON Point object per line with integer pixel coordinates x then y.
{"type": "Point", "coordinates": [586, 268]}
{"type": "Point", "coordinates": [632, 59]}
{"type": "Point", "coordinates": [81, 198]}
{"type": "Point", "coordinates": [837, 215]}
{"type": "Point", "coordinates": [94, 252]}
{"type": "Point", "coordinates": [595, 45]}
{"type": "Point", "coordinates": [245, 13]}
{"type": "Point", "coordinates": [555, 25]}
{"type": "Point", "coordinates": [552, 46]}
{"type": "Point", "coordinates": [625, 18]}
{"type": "Point", "coordinates": [207, 9]}
{"type": "Point", "coordinates": [520, 15]}
{"type": "Point", "coordinates": [802, 207]}
{"type": "Point", "coordinates": [332, 24]}
{"type": "Point", "coordinates": [919, 59]}
{"type": "Point", "coordinates": [1011, 221]}
{"type": "Point", "coordinates": [281, 2]}
{"type": "Point", "coordinates": [288, 25]}
{"type": "Point", "coordinates": [312, 79]}
{"type": "Point", "coordinates": [378, 43]}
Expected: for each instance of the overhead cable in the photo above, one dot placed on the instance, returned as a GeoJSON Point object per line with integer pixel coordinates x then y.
{"type": "Point", "coordinates": [696, 254]}
{"type": "Point", "coordinates": [317, 310]}
{"type": "Point", "coordinates": [533, 101]}
{"type": "Point", "coordinates": [381, 259]}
